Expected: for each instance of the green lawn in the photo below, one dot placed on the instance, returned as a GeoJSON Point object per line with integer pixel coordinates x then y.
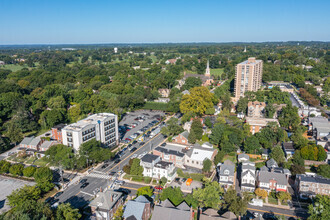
{"type": "Point", "coordinates": [231, 158]}
{"type": "Point", "coordinates": [40, 162]}
{"type": "Point", "coordinates": [14, 67]}
{"type": "Point", "coordinates": [30, 160]}
{"type": "Point", "coordinates": [217, 72]}
{"type": "Point", "coordinates": [271, 200]}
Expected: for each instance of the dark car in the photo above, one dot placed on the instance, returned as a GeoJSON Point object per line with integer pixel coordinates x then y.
{"type": "Point", "coordinates": [142, 143]}
{"type": "Point", "coordinates": [163, 144]}
{"type": "Point", "coordinates": [49, 199]}
{"type": "Point", "coordinates": [117, 161]}
{"type": "Point", "coordinates": [104, 166]}
{"type": "Point", "coordinates": [134, 142]}
{"type": "Point", "coordinates": [133, 149]}
{"type": "Point", "coordinates": [112, 173]}
{"type": "Point", "coordinates": [129, 146]}
{"type": "Point", "coordinates": [58, 194]}
{"type": "Point", "coordinates": [184, 180]}
{"type": "Point", "coordinates": [83, 181]}
{"type": "Point", "coordinates": [177, 179]}
{"type": "Point", "coordinates": [84, 185]}
{"type": "Point", "coordinates": [269, 216]}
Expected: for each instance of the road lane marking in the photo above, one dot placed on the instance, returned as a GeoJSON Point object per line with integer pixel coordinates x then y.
{"type": "Point", "coordinates": [87, 193]}
{"type": "Point", "coordinates": [133, 153]}
{"type": "Point", "coordinates": [276, 213]}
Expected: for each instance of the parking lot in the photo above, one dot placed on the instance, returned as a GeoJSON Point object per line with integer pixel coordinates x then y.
{"type": "Point", "coordinates": [187, 189]}
{"type": "Point", "coordinates": [8, 185]}
{"type": "Point", "coordinates": [135, 121]}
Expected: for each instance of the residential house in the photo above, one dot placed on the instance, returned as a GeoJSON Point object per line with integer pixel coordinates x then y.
{"type": "Point", "coordinates": [196, 155]}
{"type": "Point", "coordinates": [209, 214]}
{"type": "Point", "coordinates": [164, 169]}
{"type": "Point", "coordinates": [148, 162]}
{"type": "Point", "coordinates": [174, 156]}
{"type": "Point", "coordinates": [288, 149]}
{"type": "Point", "coordinates": [265, 154]}
{"type": "Point", "coordinates": [256, 109]}
{"type": "Point", "coordinates": [243, 157]}
{"type": "Point", "coordinates": [321, 129]}
{"type": "Point", "coordinates": [182, 138]}
{"type": "Point", "coordinates": [155, 168]}
{"type": "Point", "coordinates": [166, 210]}
{"type": "Point", "coordinates": [270, 180]}
{"type": "Point", "coordinates": [248, 176]}
{"type": "Point", "coordinates": [170, 61]}
{"type": "Point", "coordinates": [271, 163]}
{"type": "Point", "coordinates": [226, 174]}
{"type": "Point", "coordinates": [308, 186]}
{"type": "Point", "coordinates": [256, 124]}
{"type": "Point", "coordinates": [164, 93]}
{"type": "Point", "coordinates": [106, 204]}
{"type": "Point", "coordinates": [187, 126]}
{"type": "Point", "coordinates": [139, 209]}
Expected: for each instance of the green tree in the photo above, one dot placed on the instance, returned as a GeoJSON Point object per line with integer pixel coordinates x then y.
{"type": "Point", "coordinates": [136, 169]}
{"type": "Point", "coordinates": [66, 212]}
{"type": "Point", "coordinates": [283, 196]}
{"type": "Point", "coordinates": [56, 102]}
{"type": "Point", "coordinates": [208, 122]}
{"type": "Point", "coordinates": [252, 145]}
{"type": "Point", "coordinates": [324, 170]}
{"type": "Point", "coordinates": [277, 154]}
{"type": "Point", "coordinates": [119, 213]}
{"type": "Point", "coordinates": [192, 82]}
{"type": "Point", "coordinates": [199, 99]}
{"type": "Point", "coordinates": [320, 209]}
{"type": "Point", "coordinates": [209, 196]}
{"type": "Point", "coordinates": [218, 158]}
{"type": "Point", "coordinates": [235, 203]}
{"type": "Point", "coordinates": [242, 105]}
{"type": "Point", "coordinates": [192, 137]}
{"type": "Point", "coordinates": [44, 177]}
{"type": "Point", "coordinates": [207, 164]}
{"type": "Point", "coordinates": [145, 191]}
{"type": "Point", "coordinates": [197, 127]}
{"type": "Point", "coordinates": [16, 169]}
{"type": "Point", "coordinates": [289, 117]}
{"type": "Point", "coordinates": [29, 171]}
{"type": "Point", "coordinates": [74, 113]}
{"type": "Point", "coordinates": [4, 166]}
{"type": "Point", "coordinates": [175, 195]}
{"type": "Point", "coordinates": [14, 133]}
{"type": "Point", "coordinates": [172, 127]}
{"type": "Point", "coordinates": [19, 196]}
{"type": "Point", "coordinates": [163, 180]}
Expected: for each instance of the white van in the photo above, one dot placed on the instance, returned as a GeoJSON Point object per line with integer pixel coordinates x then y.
{"type": "Point", "coordinates": [257, 202]}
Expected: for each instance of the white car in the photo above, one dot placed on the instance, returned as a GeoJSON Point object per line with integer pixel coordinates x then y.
{"type": "Point", "coordinates": [257, 202]}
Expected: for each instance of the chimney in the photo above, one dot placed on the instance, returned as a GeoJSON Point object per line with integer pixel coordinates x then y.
{"type": "Point", "coordinates": [111, 197]}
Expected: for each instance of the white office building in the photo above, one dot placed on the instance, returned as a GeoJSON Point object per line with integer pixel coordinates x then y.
{"type": "Point", "coordinates": [101, 126]}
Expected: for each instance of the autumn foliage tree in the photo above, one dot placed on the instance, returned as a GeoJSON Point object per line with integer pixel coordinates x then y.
{"type": "Point", "coordinates": [261, 193]}
{"type": "Point", "coordinates": [308, 97]}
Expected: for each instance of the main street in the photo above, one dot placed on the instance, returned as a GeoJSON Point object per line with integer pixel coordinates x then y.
{"type": "Point", "coordinates": [296, 213]}
{"type": "Point", "coordinates": [100, 179]}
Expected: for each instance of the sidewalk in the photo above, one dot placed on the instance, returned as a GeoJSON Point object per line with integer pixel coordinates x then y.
{"type": "Point", "coordinates": [279, 206]}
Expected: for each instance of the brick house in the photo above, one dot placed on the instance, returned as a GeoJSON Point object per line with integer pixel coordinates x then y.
{"type": "Point", "coordinates": [307, 186]}
{"type": "Point", "coordinates": [270, 180]}
{"type": "Point", "coordinates": [256, 124]}
{"type": "Point", "coordinates": [106, 204]}
{"type": "Point", "coordinates": [139, 209]}
{"type": "Point", "coordinates": [181, 138]}
{"type": "Point", "coordinates": [57, 132]}
{"type": "Point", "coordinates": [31, 143]}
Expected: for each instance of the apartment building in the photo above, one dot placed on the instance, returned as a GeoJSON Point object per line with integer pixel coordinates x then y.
{"type": "Point", "coordinates": [101, 126]}
{"type": "Point", "coordinates": [256, 124]}
{"type": "Point", "coordinates": [248, 76]}
{"type": "Point", "coordinates": [256, 109]}
{"type": "Point", "coordinates": [169, 154]}
{"type": "Point", "coordinates": [308, 186]}
{"type": "Point", "coordinates": [196, 155]}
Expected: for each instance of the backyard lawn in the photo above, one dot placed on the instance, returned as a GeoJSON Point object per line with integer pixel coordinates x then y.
{"type": "Point", "coordinates": [40, 162]}
{"type": "Point", "coordinates": [217, 72]}
{"type": "Point", "coordinates": [14, 67]}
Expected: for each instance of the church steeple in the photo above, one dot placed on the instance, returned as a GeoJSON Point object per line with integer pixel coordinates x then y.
{"type": "Point", "coordinates": [207, 71]}
{"type": "Point", "coordinates": [244, 49]}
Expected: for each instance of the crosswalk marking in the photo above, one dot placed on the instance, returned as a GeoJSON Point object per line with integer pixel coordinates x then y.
{"type": "Point", "coordinates": [101, 176]}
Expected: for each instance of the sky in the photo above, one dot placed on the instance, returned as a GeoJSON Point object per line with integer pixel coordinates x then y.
{"type": "Point", "coordinates": [159, 21]}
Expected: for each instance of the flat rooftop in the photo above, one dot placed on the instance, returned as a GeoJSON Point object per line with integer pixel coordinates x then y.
{"type": "Point", "coordinates": [92, 119]}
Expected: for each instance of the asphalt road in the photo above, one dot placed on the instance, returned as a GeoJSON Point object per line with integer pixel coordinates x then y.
{"type": "Point", "coordinates": [79, 197]}
{"type": "Point", "coordinates": [147, 147]}
{"type": "Point", "coordinates": [297, 213]}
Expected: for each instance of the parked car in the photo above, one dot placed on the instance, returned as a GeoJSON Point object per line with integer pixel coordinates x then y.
{"type": "Point", "coordinates": [257, 202]}
{"type": "Point", "coordinates": [58, 194]}
{"type": "Point", "coordinates": [133, 149]}
{"type": "Point", "coordinates": [134, 142]}
{"type": "Point", "coordinates": [189, 181]}
{"type": "Point", "coordinates": [120, 182]}
{"type": "Point", "coordinates": [84, 185]}
{"type": "Point", "coordinates": [163, 144]}
{"type": "Point", "coordinates": [83, 181]}
{"type": "Point", "coordinates": [159, 187]}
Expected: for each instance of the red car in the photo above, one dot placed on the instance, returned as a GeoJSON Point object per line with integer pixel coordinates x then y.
{"type": "Point", "coordinates": [159, 187]}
